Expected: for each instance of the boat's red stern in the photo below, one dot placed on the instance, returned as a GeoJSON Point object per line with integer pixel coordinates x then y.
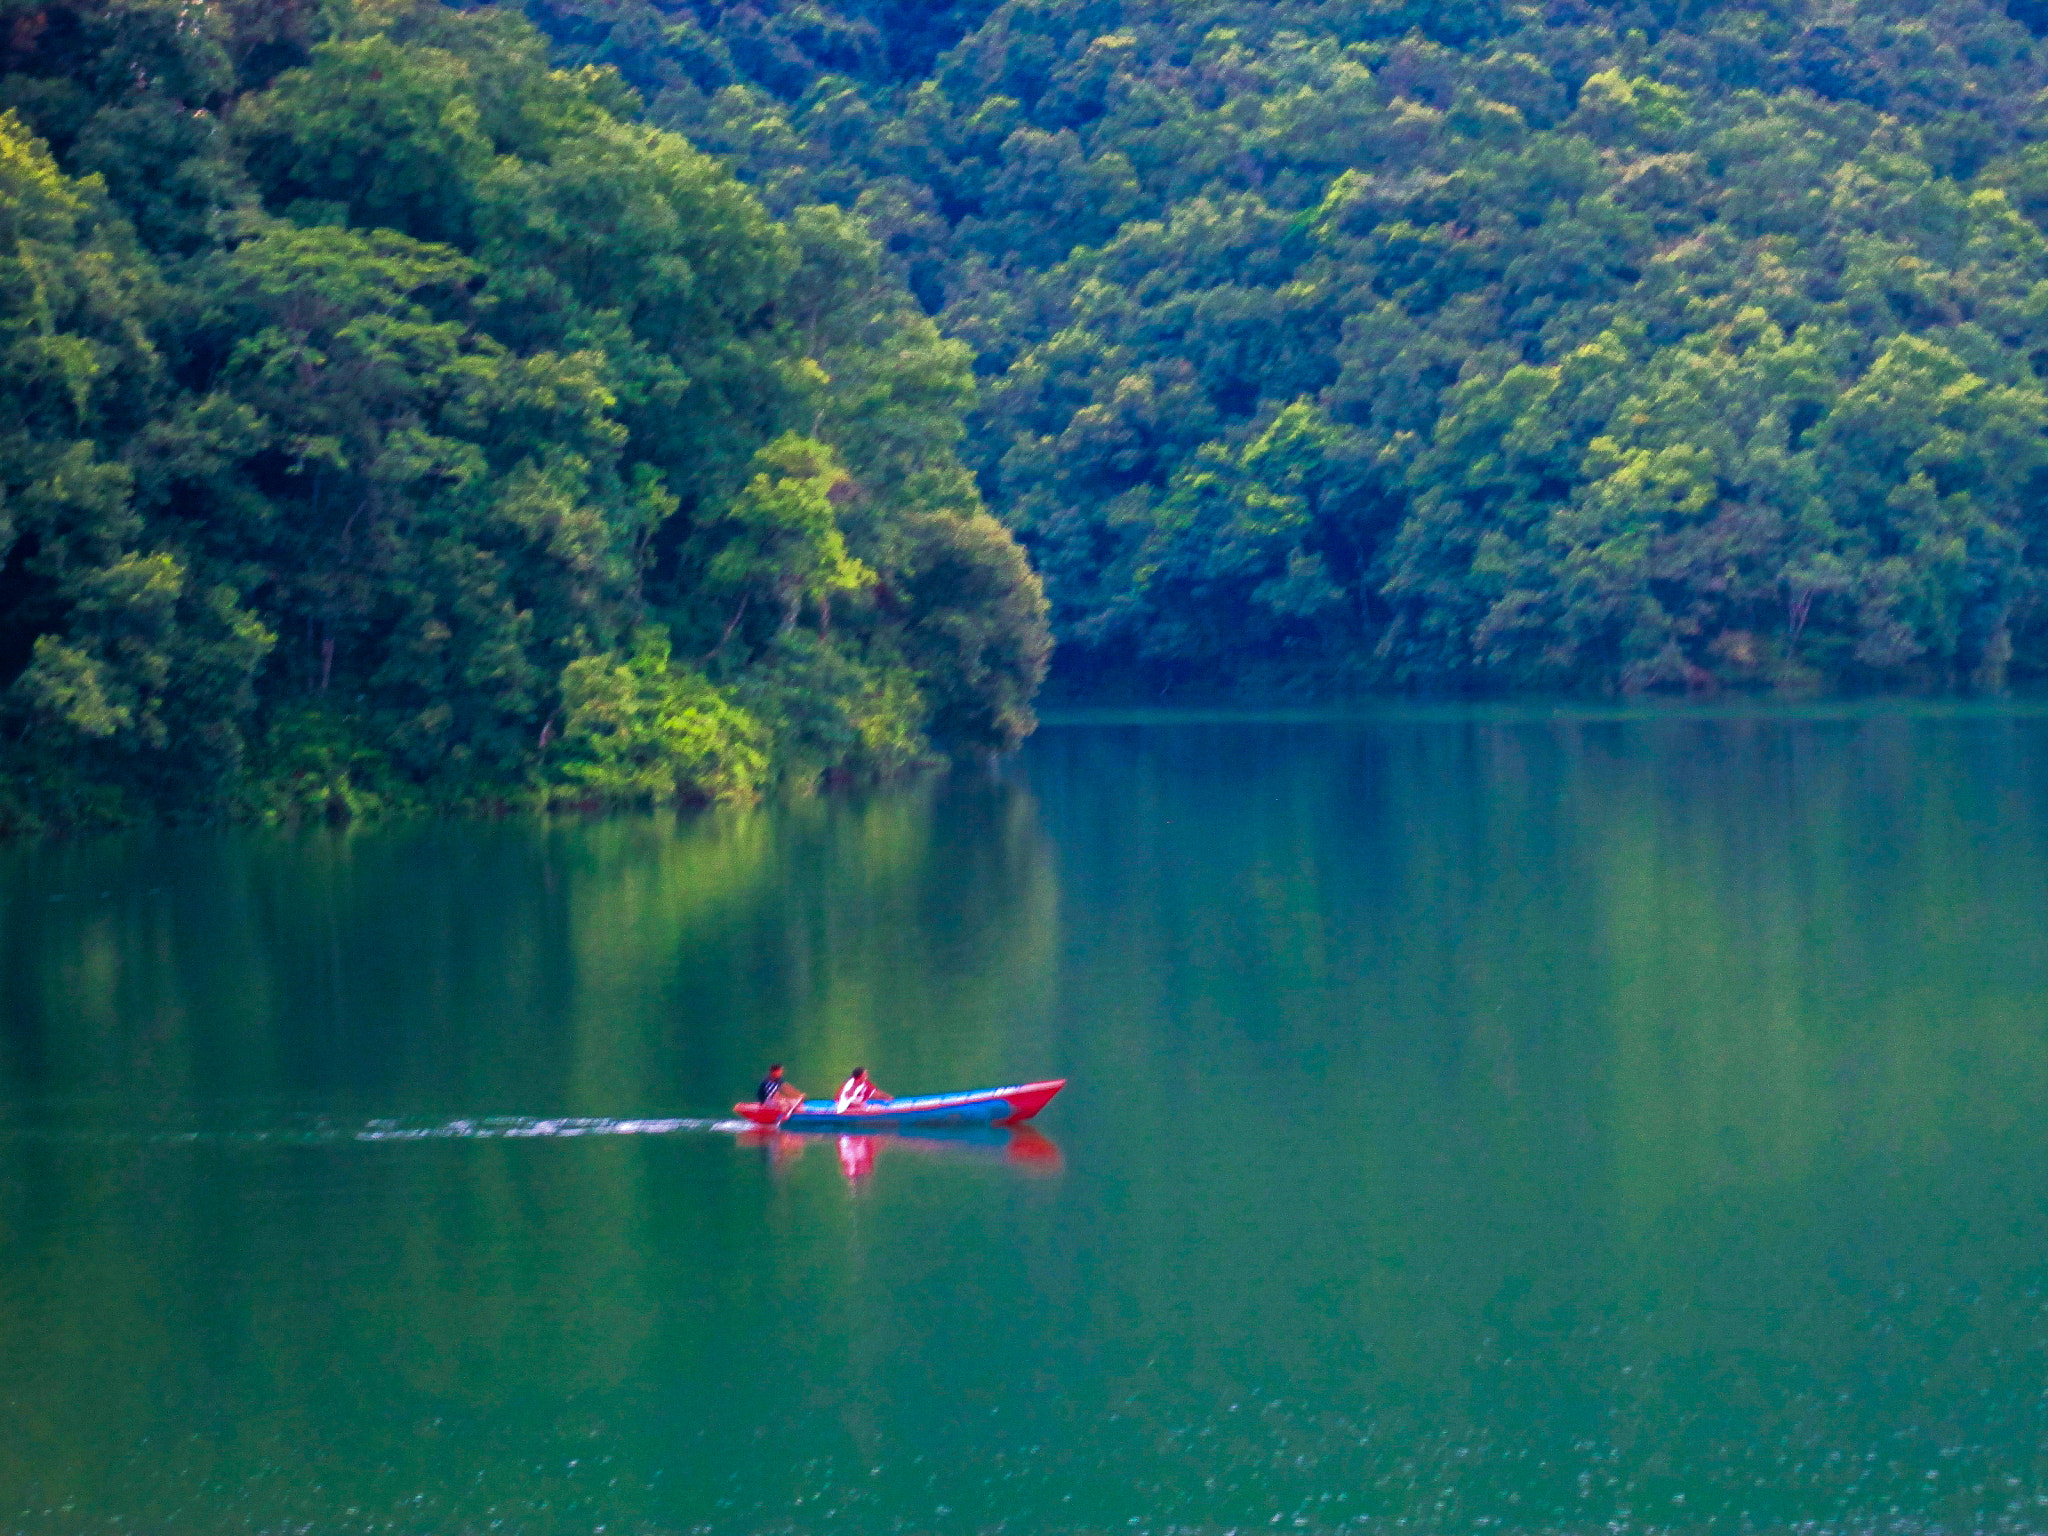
{"type": "Point", "coordinates": [760, 1114]}
{"type": "Point", "coordinates": [1027, 1099]}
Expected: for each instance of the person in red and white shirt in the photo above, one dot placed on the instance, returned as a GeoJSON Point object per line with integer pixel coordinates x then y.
{"type": "Point", "coordinates": [858, 1090]}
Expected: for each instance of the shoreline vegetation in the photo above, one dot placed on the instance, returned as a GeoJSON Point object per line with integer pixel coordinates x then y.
{"type": "Point", "coordinates": [408, 406]}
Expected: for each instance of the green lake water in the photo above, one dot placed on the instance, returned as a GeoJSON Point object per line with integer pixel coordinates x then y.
{"type": "Point", "coordinates": [1478, 1122]}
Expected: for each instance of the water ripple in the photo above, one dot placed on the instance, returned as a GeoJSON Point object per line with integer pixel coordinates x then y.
{"type": "Point", "coordinates": [322, 1132]}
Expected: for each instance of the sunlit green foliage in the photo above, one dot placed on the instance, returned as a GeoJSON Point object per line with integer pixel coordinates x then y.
{"type": "Point", "coordinates": [646, 729]}
{"type": "Point", "coordinates": [1356, 343]}
{"type": "Point", "coordinates": [390, 419]}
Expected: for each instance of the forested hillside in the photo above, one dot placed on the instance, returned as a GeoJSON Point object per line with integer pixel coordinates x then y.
{"type": "Point", "coordinates": [600, 399]}
{"type": "Point", "coordinates": [388, 417]}
{"type": "Point", "coordinates": [1371, 343]}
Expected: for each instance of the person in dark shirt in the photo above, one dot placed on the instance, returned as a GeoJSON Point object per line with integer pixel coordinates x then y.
{"type": "Point", "coordinates": [774, 1090]}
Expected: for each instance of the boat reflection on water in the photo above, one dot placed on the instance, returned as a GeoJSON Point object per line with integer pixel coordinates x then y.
{"type": "Point", "coordinates": [856, 1156]}
{"type": "Point", "coordinates": [1020, 1146]}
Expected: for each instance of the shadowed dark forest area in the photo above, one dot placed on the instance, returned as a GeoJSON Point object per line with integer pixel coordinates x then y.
{"type": "Point", "coordinates": [623, 400]}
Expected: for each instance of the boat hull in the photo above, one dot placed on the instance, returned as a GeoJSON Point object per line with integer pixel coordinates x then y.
{"type": "Point", "coordinates": [980, 1106]}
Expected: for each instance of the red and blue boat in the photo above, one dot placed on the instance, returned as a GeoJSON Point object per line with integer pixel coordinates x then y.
{"type": "Point", "coordinates": [978, 1106]}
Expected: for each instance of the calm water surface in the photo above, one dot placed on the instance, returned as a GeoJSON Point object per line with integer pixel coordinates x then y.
{"type": "Point", "coordinates": [1478, 1122]}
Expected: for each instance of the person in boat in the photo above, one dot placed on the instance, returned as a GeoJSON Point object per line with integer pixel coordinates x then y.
{"type": "Point", "coordinates": [774, 1090]}
{"type": "Point", "coordinates": [859, 1089]}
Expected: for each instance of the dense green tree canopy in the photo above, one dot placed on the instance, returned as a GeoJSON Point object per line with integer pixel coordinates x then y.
{"type": "Point", "coordinates": [1594, 345]}
{"type": "Point", "coordinates": [613, 398]}
{"type": "Point", "coordinates": [389, 415]}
